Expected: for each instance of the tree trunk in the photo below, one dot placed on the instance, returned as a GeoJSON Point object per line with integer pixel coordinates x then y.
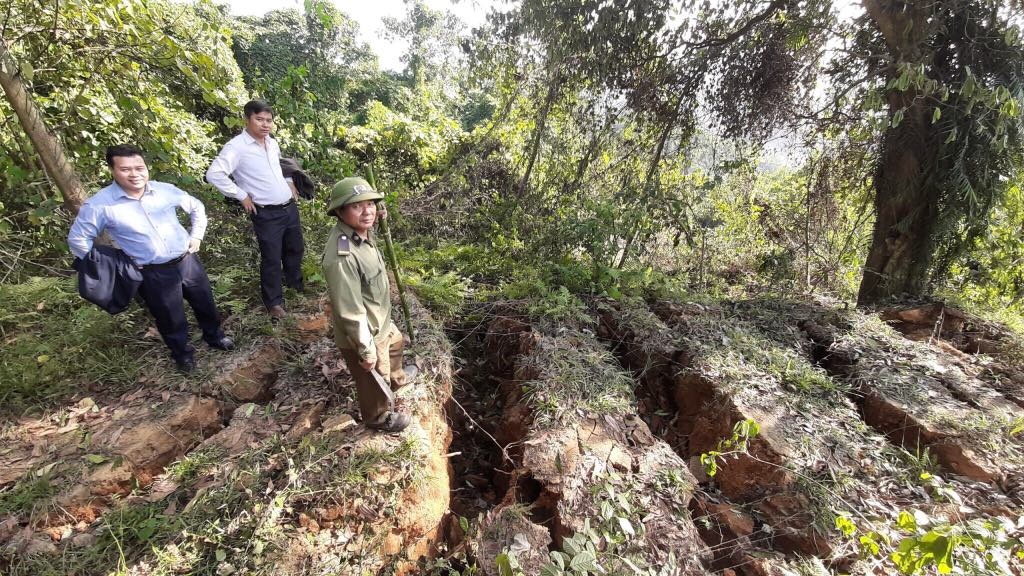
{"type": "Point", "coordinates": [652, 170]}
{"type": "Point", "coordinates": [553, 89]}
{"type": "Point", "coordinates": [905, 199]}
{"type": "Point", "coordinates": [46, 144]}
{"type": "Point", "coordinates": [905, 211]}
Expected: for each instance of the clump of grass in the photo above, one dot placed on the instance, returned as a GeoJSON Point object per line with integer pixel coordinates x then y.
{"type": "Point", "coordinates": [575, 376]}
{"type": "Point", "coordinates": [443, 293]}
{"type": "Point", "coordinates": [23, 496]}
{"type": "Point", "coordinates": [55, 342]}
{"type": "Point", "coordinates": [194, 464]}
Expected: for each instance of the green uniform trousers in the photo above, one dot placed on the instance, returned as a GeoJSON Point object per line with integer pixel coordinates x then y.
{"type": "Point", "coordinates": [372, 400]}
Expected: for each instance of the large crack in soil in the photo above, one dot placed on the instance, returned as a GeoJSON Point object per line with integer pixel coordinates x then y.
{"type": "Point", "coordinates": [747, 512]}
{"type": "Point", "coordinates": [903, 423]}
{"type": "Point", "coordinates": [983, 349]}
{"type": "Point", "coordinates": [481, 464]}
{"type": "Point", "coordinates": [533, 483]}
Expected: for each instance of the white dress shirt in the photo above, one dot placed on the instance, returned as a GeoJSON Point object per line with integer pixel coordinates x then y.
{"type": "Point", "coordinates": [256, 170]}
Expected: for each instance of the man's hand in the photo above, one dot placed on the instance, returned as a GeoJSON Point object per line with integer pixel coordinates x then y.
{"type": "Point", "coordinates": [249, 205]}
{"type": "Point", "coordinates": [368, 364]}
{"type": "Point", "coordinates": [193, 245]}
{"type": "Point", "coordinates": [295, 191]}
{"type": "Point", "coordinates": [382, 212]}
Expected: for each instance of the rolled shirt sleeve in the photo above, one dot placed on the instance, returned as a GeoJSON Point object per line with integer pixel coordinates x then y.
{"type": "Point", "coordinates": [87, 226]}
{"type": "Point", "coordinates": [219, 173]}
{"type": "Point", "coordinates": [351, 323]}
{"type": "Point", "coordinates": [197, 214]}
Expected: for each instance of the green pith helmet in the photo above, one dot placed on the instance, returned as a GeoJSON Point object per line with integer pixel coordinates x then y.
{"type": "Point", "coordinates": [351, 190]}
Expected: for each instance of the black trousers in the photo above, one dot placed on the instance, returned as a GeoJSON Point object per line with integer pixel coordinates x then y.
{"type": "Point", "coordinates": [279, 234]}
{"type": "Point", "coordinates": [165, 289]}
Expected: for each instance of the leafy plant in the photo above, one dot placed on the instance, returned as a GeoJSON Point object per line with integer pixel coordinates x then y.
{"type": "Point", "coordinates": [742, 432]}
{"type": "Point", "coordinates": [578, 557]}
{"type": "Point", "coordinates": [972, 546]}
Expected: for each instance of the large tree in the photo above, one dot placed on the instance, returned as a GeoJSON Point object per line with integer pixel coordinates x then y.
{"type": "Point", "coordinates": [953, 74]}
{"type": "Point", "coordinates": [95, 73]}
{"type": "Point", "coordinates": [937, 85]}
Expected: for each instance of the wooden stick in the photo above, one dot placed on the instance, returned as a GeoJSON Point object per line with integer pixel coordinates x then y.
{"type": "Point", "coordinates": [393, 260]}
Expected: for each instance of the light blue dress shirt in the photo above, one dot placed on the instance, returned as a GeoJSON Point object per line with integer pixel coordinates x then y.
{"type": "Point", "coordinates": [146, 229]}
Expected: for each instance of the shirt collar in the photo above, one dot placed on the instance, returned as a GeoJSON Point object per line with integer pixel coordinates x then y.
{"type": "Point", "coordinates": [120, 193]}
{"type": "Point", "coordinates": [249, 139]}
{"type": "Point", "coordinates": [351, 233]}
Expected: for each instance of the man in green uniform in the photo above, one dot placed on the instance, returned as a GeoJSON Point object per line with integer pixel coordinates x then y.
{"type": "Point", "coordinates": [358, 287]}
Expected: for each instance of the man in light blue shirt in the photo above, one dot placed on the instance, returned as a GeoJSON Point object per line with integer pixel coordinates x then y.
{"type": "Point", "coordinates": [141, 216]}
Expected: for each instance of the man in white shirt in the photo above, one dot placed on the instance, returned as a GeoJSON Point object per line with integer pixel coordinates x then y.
{"type": "Point", "coordinates": [253, 159]}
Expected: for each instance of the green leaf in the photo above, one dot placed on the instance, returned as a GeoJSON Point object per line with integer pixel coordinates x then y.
{"type": "Point", "coordinates": [584, 562]}
{"type": "Point", "coordinates": [626, 526]}
{"type": "Point", "coordinates": [146, 531]}
{"type": "Point", "coordinates": [572, 546]}
{"type": "Point", "coordinates": [95, 458]}
{"type": "Point", "coordinates": [27, 71]}
{"type": "Point", "coordinates": [897, 118]}
{"type": "Point", "coordinates": [846, 526]}
{"type": "Point", "coordinates": [504, 565]}
{"type": "Point", "coordinates": [551, 570]}
{"type": "Point", "coordinates": [936, 114]}
{"type": "Point", "coordinates": [906, 521]}
{"type": "Point", "coordinates": [869, 543]}
{"type": "Point", "coordinates": [221, 554]}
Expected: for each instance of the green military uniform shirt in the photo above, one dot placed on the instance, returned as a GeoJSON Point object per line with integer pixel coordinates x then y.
{"type": "Point", "coordinates": [357, 284]}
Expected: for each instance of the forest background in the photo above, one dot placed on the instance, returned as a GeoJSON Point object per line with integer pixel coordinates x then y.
{"type": "Point", "coordinates": [561, 149]}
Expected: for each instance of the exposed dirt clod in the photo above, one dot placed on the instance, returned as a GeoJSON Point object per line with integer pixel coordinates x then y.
{"type": "Point", "coordinates": [251, 377]}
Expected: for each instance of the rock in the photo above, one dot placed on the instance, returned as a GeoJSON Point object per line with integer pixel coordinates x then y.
{"type": "Point", "coordinates": [393, 544]}
{"type": "Point", "coordinates": [307, 420]}
{"type": "Point", "coordinates": [734, 522]}
{"type": "Point", "coordinates": [8, 525]}
{"type": "Point", "coordinates": [40, 546]}
{"type": "Point", "coordinates": [83, 540]}
{"type": "Point", "coordinates": [111, 478]}
{"type": "Point", "coordinates": [313, 328]}
{"type": "Point", "coordinates": [339, 422]}
{"type": "Point", "coordinates": [756, 567]}
{"type": "Point", "coordinates": [308, 523]}
{"type": "Point", "coordinates": [58, 533]}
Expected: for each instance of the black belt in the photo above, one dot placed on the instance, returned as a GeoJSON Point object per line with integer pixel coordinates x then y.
{"type": "Point", "coordinates": [168, 263]}
{"type": "Point", "coordinates": [276, 206]}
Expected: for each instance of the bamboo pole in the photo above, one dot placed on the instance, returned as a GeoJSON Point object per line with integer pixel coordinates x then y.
{"type": "Point", "coordinates": [393, 260]}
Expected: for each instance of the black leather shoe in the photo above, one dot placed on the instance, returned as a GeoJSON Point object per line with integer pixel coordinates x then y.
{"type": "Point", "coordinates": [410, 373]}
{"type": "Point", "coordinates": [390, 422]}
{"type": "Point", "coordinates": [186, 365]}
{"type": "Point", "coordinates": [225, 343]}
{"type": "Point", "coordinates": [410, 378]}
